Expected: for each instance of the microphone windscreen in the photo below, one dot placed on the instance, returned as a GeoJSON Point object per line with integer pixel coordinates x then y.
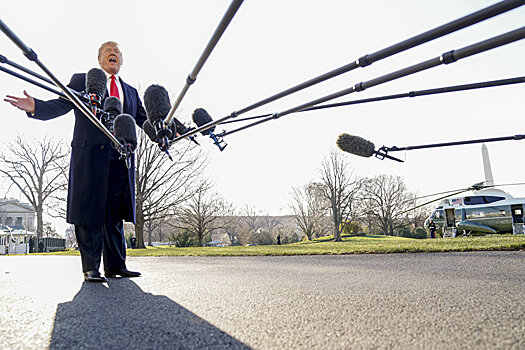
{"type": "Point", "coordinates": [201, 117]}
{"type": "Point", "coordinates": [150, 131]}
{"type": "Point", "coordinates": [125, 130]}
{"type": "Point", "coordinates": [96, 82]}
{"type": "Point", "coordinates": [112, 105]}
{"type": "Point", "coordinates": [157, 103]}
{"type": "Point", "coordinates": [355, 145]}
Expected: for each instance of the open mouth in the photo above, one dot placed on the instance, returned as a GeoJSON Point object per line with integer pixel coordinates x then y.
{"type": "Point", "coordinates": [112, 60]}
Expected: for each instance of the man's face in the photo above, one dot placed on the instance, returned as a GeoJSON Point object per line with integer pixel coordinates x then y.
{"type": "Point", "coordinates": [110, 59]}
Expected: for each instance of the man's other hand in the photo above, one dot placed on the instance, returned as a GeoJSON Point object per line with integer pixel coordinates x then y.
{"type": "Point", "coordinates": [26, 104]}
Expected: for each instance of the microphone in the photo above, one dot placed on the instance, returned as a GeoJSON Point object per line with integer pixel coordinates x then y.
{"type": "Point", "coordinates": [113, 108]}
{"type": "Point", "coordinates": [157, 104]}
{"type": "Point", "coordinates": [178, 128]}
{"type": "Point", "coordinates": [149, 130]}
{"type": "Point", "coordinates": [355, 145]}
{"type": "Point", "coordinates": [96, 82]}
{"type": "Point", "coordinates": [361, 147]}
{"type": "Point", "coordinates": [201, 117]}
{"type": "Point", "coordinates": [175, 128]}
{"type": "Point", "coordinates": [126, 134]}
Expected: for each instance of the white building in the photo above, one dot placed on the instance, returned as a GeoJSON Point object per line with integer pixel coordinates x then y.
{"type": "Point", "coordinates": [17, 215]}
{"type": "Point", "coordinates": [17, 223]}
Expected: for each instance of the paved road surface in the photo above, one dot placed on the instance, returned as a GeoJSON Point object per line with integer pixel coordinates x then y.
{"type": "Point", "coordinates": [403, 301]}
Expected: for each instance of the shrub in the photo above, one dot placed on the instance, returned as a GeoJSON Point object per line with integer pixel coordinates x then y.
{"type": "Point", "coordinates": [419, 233]}
{"type": "Point", "coordinates": [351, 228]}
{"type": "Point", "coordinates": [293, 237]}
{"type": "Point", "coordinates": [404, 232]}
{"type": "Point", "coordinates": [184, 238]}
{"type": "Point", "coordinates": [261, 237]}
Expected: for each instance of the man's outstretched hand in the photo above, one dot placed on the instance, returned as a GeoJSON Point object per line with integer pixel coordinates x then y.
{"type": "Point", "coordinates": [26, 104]}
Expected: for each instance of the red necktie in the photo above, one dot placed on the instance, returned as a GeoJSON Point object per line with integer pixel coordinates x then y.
{"type": "Point", "coordinates": [113, 89]}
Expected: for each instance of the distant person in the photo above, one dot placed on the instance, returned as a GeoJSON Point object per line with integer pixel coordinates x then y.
{"type": "Point", "coordinates": [432, 228]}
{"type": "Point", "coordinates": [133, 242]}
{"type": "Point", "coordinates": [31, 245]}
{"type": "Point", "coordinates": [278, 239]}
{"type": "Point", "coordinates": [40, 246]}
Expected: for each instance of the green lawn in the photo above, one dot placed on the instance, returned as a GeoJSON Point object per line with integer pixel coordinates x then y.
{"type": "Point", "coordinates": [349, 245]}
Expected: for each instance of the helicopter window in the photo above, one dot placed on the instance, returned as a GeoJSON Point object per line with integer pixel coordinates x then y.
{"type": "Point", "coordinates": [437, 214]}
{"type": "Point", "coordinates": [490, 199]}
{"type": "Point", "coordinates": [484, 213]}
{"type": "Point", "coordinates": [474, 200]}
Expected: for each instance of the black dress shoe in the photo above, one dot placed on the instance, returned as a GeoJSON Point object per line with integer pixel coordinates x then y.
{"type": "Point", "coordinates": [121, 273]}
{"type": "Point", "coordinates": [94, 276]}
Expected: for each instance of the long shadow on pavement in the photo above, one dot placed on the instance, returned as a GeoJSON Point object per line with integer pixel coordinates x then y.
{"type": "Point", "coordinates": [123, 316]}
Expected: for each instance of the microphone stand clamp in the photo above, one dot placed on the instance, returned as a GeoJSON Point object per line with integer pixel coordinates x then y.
{"type": "Point", "coordinates": [382, 153]}
{"type": "Point", "coordinates": [218, 141]}
{"type": "Point", "coordinates": [125, 152]}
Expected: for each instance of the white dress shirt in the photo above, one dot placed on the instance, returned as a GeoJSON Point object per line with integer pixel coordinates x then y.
{"type": "Point", "coordinates": [119, 86]}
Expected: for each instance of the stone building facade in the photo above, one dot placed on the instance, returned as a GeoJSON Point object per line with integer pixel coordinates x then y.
{"type": "Point", "coordinates": [16, 215]}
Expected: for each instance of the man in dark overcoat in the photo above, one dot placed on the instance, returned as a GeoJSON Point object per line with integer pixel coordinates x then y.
{"type": "Point", "coordinates": [101, 190]}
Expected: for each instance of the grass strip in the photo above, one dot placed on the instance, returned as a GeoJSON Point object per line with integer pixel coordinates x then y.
{"type": "Point", "coordinates": [349, 245]}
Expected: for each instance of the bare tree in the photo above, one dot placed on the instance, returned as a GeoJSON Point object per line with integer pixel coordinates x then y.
{"type": "Point", "coordinates": [161, 184]}
{"type": "Point", "coordinates": [161, 234]}
{"type": "Point", "coordinates": [417, 214]}
{"type": "Point", "coordinates": [157, 229]}
{"type": "Point", "coordinates": [151, 226]}
{"type": "Point", "coordinates": [201, 214]}
{"type": "Point", "coordinates": [3, 215]}
{"type": "Point", "coordinates": [232, 224]}
{"type": "Point", "coordinates": [309, 207]}
{"type": "Point", "coordinates": [57, 204]}
{"type": "Point", "coordinates": [269, 223]}
{"type": "Point", "coordinates": [341, 187]}
{"type": "Point", "coordinates": [386, 196]}
{"type": "Point", "coordinates": [35, 168]}
{"type": "Point", "coordinates": [251, 218]}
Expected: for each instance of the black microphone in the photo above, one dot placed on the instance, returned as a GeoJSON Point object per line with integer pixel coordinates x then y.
{"type": "Point", "coordinates": [361, 147]}
{"type": "Point", "coordinates": [201, 117]}
{"type": "Point", "coordinates": [175, 128]}
{"type": "Point", "coordinates": [96, 83]}
{"type": "Point", "coordinates": [178, 128]}
{"type": "Point", "coordinates": [126, 134]}
{"type": "Point", "coordinates": [149, 130]}
{"type": "Point", "coordinates": [157, 104]}
{"type": "Point", "coordinates": [113, 108]}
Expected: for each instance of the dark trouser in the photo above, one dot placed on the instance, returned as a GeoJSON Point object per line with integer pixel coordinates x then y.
{"type": "Point", "coordinates": [108, 239]}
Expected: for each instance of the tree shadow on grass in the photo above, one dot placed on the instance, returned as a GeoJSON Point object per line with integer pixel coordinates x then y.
{"type": "Point", "coordinates": [123, 316]}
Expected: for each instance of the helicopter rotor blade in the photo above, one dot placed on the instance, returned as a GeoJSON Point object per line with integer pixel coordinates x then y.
{"type": "Point", "coordinates": [438, 193]}
{"type": "Point", "coordinates": [432, 201]}
{"type": "Point", "coordinates": [501, 185]}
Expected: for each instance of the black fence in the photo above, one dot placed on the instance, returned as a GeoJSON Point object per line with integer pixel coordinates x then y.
{"type": "Point", "coordinates": [53, 244]}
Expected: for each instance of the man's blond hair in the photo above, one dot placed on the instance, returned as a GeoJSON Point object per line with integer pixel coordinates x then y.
{"type": "Point", "coordinates": [107, 43]}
